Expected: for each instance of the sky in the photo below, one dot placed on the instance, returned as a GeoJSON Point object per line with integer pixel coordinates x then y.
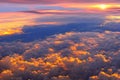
{"type": "Point", "coordinates": [59, 39]}
{"type": "Point", "coordinates": [16, 14]}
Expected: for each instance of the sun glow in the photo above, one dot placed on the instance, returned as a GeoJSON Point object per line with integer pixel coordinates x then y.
{"type": "Point", "coordinates": [102, 6]}
{"type": "Point", "coordinates": [10, 32]}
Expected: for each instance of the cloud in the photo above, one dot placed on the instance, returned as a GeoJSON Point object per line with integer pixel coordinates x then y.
{"type": "Point", "coordinates": [57, 1]}
{"type": "Point", "coordinates": [18, 20]}
{"type": "Point", "coordinates": [93, 5]}
{"type": "Point", "coordinates": [69, 56]}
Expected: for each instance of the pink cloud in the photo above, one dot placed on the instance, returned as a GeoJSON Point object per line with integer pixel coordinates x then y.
{"type": "Point", "coordinates": [59, 1]}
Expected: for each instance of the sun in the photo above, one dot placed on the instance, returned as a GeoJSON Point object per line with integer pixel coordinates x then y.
{"type": "Point", "coordinates": [103, 6]}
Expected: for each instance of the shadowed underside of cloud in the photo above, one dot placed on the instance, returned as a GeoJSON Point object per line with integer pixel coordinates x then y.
{"type": "Point", "coordinates": [57, 12]}
{"type": "Point", "coordinates": [69, 56]}
{"type": "Point", "coordinates": [42, 32]}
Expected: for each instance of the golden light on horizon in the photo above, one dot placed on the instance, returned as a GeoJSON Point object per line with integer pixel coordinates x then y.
{"type": "Point", "coordinates": [112, 18]}
{"type": "Point", "coordinates": [10, 32]}
{"type": "Point", "coordinates": [102, 6]}
{"type": "Point", "coordinates": [10, 28]}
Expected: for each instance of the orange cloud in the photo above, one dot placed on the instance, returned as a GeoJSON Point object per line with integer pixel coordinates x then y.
{"type": "Point", "coordinates": [12, 23]}
{"type": "Point", "coordinates": [10, 32]}
{"type": "Point", "coordinates": [70, 56]}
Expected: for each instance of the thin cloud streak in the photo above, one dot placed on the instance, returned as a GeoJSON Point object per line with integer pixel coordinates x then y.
{"type": "Point", "coordinates": [58, 1]}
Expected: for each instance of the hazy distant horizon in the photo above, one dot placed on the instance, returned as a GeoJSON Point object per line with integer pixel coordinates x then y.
{"type": "Point", "coordinates": [59, 40]}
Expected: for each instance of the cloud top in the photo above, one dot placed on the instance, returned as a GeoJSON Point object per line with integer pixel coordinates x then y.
{"type": "Point", "coordinates": [69, 56]}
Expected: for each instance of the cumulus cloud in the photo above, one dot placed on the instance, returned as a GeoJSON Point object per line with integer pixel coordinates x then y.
{"type": "Point", "coordinates": [69, 56]}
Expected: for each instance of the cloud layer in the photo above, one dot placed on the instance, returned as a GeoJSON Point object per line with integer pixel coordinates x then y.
{"type": "Point", "coordinates": [69, 56]}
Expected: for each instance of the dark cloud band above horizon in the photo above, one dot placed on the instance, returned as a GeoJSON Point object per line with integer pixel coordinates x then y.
{"type": "Point", "coordinates": [58, 1]}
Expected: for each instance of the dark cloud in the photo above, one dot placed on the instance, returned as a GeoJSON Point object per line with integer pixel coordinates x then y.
{"type": "Point", "coordinates": [54, 12]}
{"type": "Point", "coordinates": [44, 31]}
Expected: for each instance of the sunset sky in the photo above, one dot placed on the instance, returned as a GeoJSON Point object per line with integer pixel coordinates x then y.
{"type": "Point", "coordinates": [59, 39]}
{"type": "Point", "coordinates": [15, 14]}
